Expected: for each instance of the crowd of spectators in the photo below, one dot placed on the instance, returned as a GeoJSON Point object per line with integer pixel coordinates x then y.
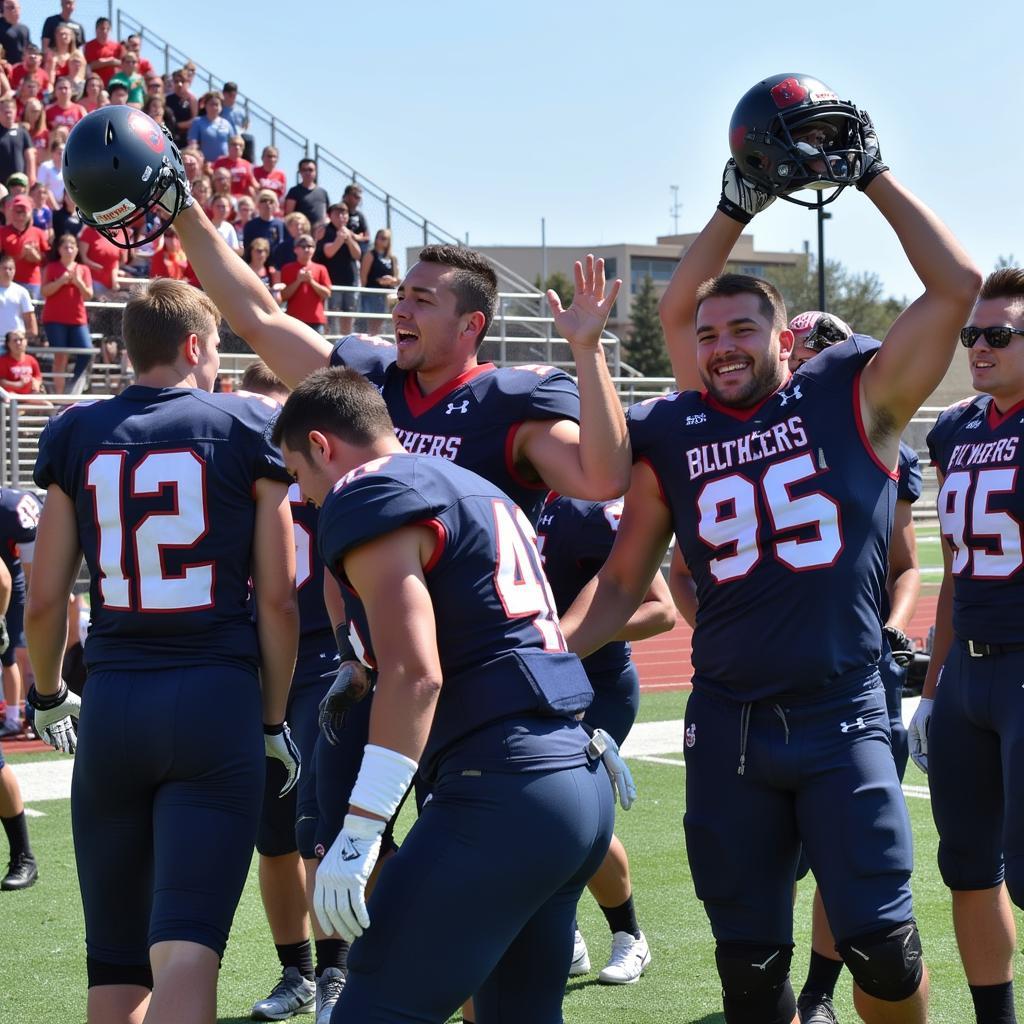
{"type": "Point", "coordinates": [299, 242]}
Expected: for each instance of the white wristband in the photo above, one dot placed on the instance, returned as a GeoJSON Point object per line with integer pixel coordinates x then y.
{"type": "Point", "coordinates": [384, 778]}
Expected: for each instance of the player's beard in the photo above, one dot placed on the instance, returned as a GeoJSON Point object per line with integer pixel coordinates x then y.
{"type": "Point", "coordinates": [766, 376]}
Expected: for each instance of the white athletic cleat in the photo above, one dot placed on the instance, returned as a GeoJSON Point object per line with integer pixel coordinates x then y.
{"type": "Point", "coordinates": [291, 995]}
{"type": "Point", "coordinates": [580, 957]}
{"type": "Point", "coordinates": [629, 959]}
{"type": "Point", "coordinates": [328, 988]}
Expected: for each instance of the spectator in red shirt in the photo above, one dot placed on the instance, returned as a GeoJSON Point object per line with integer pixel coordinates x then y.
{"type": "Point", "coordinates": [268, 176]}
{"type": "Point", "coordinates": [19, 372]}
{"type": "Point", "coordinates": [27, 91]}
{"type": "Point", "coordinates": [242, 181]}
{"type": "Point", "coordinates": [170, 260]}
{"type": "Point", "coordinates": [64, 112]}
{"type": "Point", "coordinates": [31, 66]}
{"type": "Point", "coordinates": [34, 120]}
{"type": "Point", "coordinates": [103, 53]}
{"type": "Point", "coordinates": [26, 243]}
{"type": "Point", "coordinates": [306, 285]}
{"type": "Point", "coordinates": [133, 44]}
{"type": "Point", "coordinates": [67, 286]}
{"type": "Point", "coordinates": [94, 95]}
{"type": "Point", "coordinates": [55, 60]}
{"type": "Point", "coordinates": [103, 259]}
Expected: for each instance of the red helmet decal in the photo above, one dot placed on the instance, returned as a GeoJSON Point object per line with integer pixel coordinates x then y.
{"type": "Point", "coordinates": [788, 92]}
{"type": "Point", "coordinates": [147, 130]}
{"type": "Point", "coordinates": [737, 134]}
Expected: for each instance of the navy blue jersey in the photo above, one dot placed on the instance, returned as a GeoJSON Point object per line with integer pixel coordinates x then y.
{"type": "Point", "coordinates": [501, 648]}
{"type": "Point", "coordinates": [783, 514]}
{"type": "Point", "coordinates": [575, 538]}
{"type": "Point", "coordinates": [908, 487]}
{"type": "Point", "coordinates": [19, 517]}
{"type": "Point", "coordinates": [162, 483]}
{"type": "Point", "coordinates": [981, 512]}
{"type": "Point", "coordinates": [472, 420]}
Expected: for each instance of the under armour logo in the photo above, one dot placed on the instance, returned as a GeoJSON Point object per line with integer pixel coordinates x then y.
{"type": "Point", "coordinates": [546, 520]}
{"type": "Point", "coordinates": [850, 726]}
{"type": "Point", "coordinates": [794, 394]}
{"type": "Point", "coordinates": [463, 406]}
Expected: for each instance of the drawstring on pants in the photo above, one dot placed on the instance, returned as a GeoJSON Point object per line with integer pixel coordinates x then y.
{"type": "Point", "coordinates": [745, 712]}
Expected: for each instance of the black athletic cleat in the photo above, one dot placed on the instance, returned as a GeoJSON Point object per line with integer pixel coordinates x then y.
{"type": "Point", "coordinates": [816, 1009]}
{"type": "Point", "coordinates": [21, 873]}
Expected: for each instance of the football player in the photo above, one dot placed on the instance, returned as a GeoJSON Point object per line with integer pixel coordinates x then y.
{"type": "Point", "coordinates": [475, 690]}
{"type": "Point", "coordinates": [22, 870]}
{"type": "Point", "coordinates": [966, 730]}
{"type": "Point", "coordinates": [19, 516]}
{"type": "Point", "coordinates": [176, 498]}
{"type": "Point", "coordinates": [286, 822]}
{"type": "Point", "coordinates": [574, 538]}
{"type": "Point", "coordinates": [781, 492]}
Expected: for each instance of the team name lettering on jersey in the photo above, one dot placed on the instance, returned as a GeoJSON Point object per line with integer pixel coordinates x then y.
{"type": "Point", "coordinates": [441, 445]}
{"type": "Point", "coordinates": [758, 444]}
{"type": "Point", "coordinates": [1003, 450]}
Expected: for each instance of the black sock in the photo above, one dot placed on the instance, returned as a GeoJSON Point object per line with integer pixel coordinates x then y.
{"type": "Point", "coordinates": [993, 1004]}
{"type": "Point", "coordinates": [17, 835]}
{"type": "Point", "coordinates": [622, 918]}
{"type": "Point", "coordinates": [822, 975]}
{"type": "Point", "coordinates": [331, 953]}
{"type": "Point", "coordinates": [298, 955]}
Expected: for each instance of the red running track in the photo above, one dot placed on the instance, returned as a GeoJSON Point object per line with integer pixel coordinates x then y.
{"type": "Point", "coordinates": [663, 663]}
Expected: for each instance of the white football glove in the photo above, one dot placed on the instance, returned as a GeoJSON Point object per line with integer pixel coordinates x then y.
{"type": "Point", "coordinates": [603, 746]}
{"type": "Point", "coordinates": [56, 719]}
{"type": "Point", "coordinates": [741, 198]}
{"type": "Point", "coordinates": [340, 896]}
{"type": "Point", "coordinates": [917, 734]}
{"type": "Point", "coordinates": [5, 639]}
{"type": "Point", "coordinates": [278, 744]}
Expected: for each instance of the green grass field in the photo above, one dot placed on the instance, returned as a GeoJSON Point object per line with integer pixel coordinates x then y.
{"type": "Point", "coordinates": [43, 944]}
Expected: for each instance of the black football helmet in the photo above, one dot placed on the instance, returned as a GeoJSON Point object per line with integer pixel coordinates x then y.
{"type": "Point", "coordinates": [121, 167]}
{"type": "Point", "coordinates": [791, 132]}
{"type": "Point", "coordinates": [816, 330]}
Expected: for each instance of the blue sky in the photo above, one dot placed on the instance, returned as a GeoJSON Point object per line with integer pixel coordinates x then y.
{"type": "Point", "coordinates": [488, 117]}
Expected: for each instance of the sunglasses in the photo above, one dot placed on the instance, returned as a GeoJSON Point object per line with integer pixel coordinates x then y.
{"type": "Point", "coordinates": [997, 337]}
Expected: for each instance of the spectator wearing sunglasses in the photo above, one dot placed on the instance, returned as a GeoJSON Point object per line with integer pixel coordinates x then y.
{"type": "Point", "coordinates": [306, 285]}
{"type": "Point", "coordinates": [967, 733]}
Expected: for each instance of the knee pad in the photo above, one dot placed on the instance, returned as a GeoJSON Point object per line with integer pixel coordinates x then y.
{"type": "Point", "coordinates": [100, 973]}
{"type": "Point", "coordinates": [755, 983]}
{"type": "Point", "coordinates": [886, 964]}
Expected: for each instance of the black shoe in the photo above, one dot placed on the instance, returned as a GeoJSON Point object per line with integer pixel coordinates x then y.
{"type": "Point", "coordinates": [21, 873]}
{"type": "Point", "coordinates": [816, 1009]}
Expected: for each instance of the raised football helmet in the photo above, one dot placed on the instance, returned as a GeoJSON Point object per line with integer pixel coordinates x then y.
{"type": "Point", "coordinates": [792, 132]}
{"type": "Point", "coordinates": [816, 330]}
{"type": "Point", "coordinates": [121, 168]}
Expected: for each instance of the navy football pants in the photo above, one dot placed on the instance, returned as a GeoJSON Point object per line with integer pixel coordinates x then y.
{"type": "Point", "coordinates": [818, 773]}
{"type": "Point", "coordinates": [976, 771]}
{"type": "Point", "coordinates": [164, 806]}
{"type": "Point", "coordinates": [480, 898]}
{"type": "Point", "coordinates": [616, 702]}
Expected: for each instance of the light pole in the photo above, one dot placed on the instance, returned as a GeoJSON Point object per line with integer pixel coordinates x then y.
{"type": "Point", "coordinates": [822, 217]}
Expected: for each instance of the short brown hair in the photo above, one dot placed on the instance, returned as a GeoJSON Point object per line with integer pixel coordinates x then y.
{"type": "Point", "coordinates": [159, 317]}
{"type": "Point", "coordinates": [261, 379]}
{"type": "Point", "coordinates": [770, 300]}
{"type": "Point", "coordinates": [474, 281]}
{"type": "Point", "coordinates": [1005, 283]}
{"type": "Point", "coordinates": [337, 401]}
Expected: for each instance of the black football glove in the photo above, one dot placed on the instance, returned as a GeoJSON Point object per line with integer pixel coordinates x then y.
{"type": "Point", "coordinates": [351, 684]}
{"type": "Point", "coordinates": [873, 165]}
{"type": "Point", "coordinates": [741, 198]}
{"type": "Point", "coordinates": [900, 644]}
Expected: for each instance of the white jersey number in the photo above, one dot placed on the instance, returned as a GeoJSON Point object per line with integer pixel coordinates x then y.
{"type": "Point", "coordinates": [961, 511]}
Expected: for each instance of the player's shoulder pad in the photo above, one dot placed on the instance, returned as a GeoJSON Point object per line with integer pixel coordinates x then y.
{"type": "Point", "coordinates": [385, 494]}
{"type": "Point", "coordinates": [956, 416]}
{"type": "Point", "coordinates": [846, 358]}
{"type": "Point", "coordinates": [648, 420]}
{"type": "Point", "coordinates": [531, 390]}
{"type": "Point", "coordinates": [364, 353]}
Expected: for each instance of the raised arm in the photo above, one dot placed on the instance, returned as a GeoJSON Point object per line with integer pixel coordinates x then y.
{"type": "Point", "coordinates": [920, 344]}
{"type": "Point", "coordinates": [704, 259]}
{"type": "Point", "coordinates": [289, 347]}
{"type": "Point", "coordinates": [592, 460]}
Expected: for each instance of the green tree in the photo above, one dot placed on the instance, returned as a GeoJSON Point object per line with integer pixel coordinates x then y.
{"type": "Point", "coordinates": [1005, 262]}
{"type": "Point", "coordinates": [858, 299]}
{"type": "Point", "coordinates": [645, 348]}
{"type": "Point", "coordinates": [559, 283]}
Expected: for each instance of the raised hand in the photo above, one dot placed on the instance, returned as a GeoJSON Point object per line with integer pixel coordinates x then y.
{"type": "Point", "coordinates": [583, 322]}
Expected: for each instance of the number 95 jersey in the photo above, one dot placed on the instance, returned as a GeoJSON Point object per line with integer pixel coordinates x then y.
{"type": "Point", "coordinates": [783, 514]}
{"type": "Point", "coordinates": [162, 484]}
{"type": "Point", "coordinates": [981, 511]}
